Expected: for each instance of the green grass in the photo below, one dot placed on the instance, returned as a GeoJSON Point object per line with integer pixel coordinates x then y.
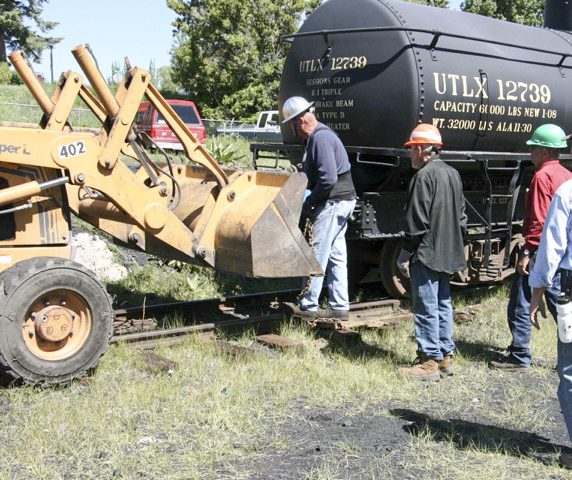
{"type": "Point", "coordinates": [158, 282]}
{"type": "Point", "coordinates": [30, 112]}
{"type": "Point", "coordinates": [216, 417]}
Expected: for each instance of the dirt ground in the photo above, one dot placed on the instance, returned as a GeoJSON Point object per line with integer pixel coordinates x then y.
{"type": "Point", "coordinates": [383, 437]}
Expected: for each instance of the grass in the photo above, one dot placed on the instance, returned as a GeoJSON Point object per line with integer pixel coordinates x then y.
{"type": "Point", "coordinates": [216, 417]}
{"type": "Point", "coordinates": [30, 112]}
{"type": "Point", "coordinates": [157, 282]}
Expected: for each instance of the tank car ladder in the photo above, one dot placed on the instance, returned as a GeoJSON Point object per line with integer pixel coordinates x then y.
{"type": "Point", "coordinates": [511, 196]}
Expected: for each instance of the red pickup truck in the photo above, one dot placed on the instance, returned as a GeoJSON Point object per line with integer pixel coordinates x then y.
{"type": "Point", "coordinates": [148, 120]}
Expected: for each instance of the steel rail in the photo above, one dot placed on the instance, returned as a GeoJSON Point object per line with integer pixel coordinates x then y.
{"type": "Point", "coordinates": [370, 314]}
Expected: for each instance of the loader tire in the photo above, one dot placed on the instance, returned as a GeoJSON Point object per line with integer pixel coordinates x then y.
{"type": "Point", "coordinates": [56, 320]}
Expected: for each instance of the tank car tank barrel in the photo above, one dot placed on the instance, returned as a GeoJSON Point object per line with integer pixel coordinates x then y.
{"type": "Point", "coordinates": [32, 82]}
{"type": "Point", "coordinates": [374, 68]}
{"type": "Point", "coordinates": [96, 79]}
{"type": "Point", "coordinates": [437, 34]}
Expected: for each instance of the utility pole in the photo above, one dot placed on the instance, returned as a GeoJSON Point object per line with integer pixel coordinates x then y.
{"type": "Point", "coordinates": [52, 62]}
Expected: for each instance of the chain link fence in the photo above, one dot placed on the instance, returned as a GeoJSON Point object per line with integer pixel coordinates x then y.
{"type": "Point", "coordinates": [83, 117]}
{"type": "Point", "coordinates": [24, 113]}
{"type": "Point", "coordinates": [211, 124]}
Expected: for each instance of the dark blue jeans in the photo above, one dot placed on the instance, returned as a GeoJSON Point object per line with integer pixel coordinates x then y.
{"type": "Point", "coordinates": [518, 314]}
{"type": "Point", "coordinates": [565, 385]}
{"type": "Point", "coordinates": [432, 311]}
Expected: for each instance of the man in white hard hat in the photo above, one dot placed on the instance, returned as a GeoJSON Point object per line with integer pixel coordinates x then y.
{"type": "Point", "coordinates": [329, 206]}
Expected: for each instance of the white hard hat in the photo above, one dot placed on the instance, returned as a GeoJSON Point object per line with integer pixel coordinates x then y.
{"type": "Point", "coordinates": [294, 106]}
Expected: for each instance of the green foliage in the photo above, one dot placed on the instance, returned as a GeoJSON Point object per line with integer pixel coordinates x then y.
{"type": "Point", "coordinates": [152, 68]}
{"type": "Point", "coordinates": [163, 80]}
{"type": "Point", "coordinates": [5, 73]}
{"type": "Point", "coordinates": [431, 3]}
{"type": "Point", "coordinates": [229, 55]}
{"type": "Point", "coordinates": [16, 32]}
{"type": "Point", "coordinates": [526, 12]}
{"type": "Point", "coordinates": [229, 149]}
{"type": "Point", "coordinates": [16, 80]}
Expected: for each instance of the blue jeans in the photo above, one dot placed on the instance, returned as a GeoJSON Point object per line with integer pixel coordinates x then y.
{"type": "Point", "coordinates": [432, 311]}
{"type": "Point", "coordinates": [564, 367]}
{"type": "Point", "coordinates": [330, 224]}
{"type": "Point", "coordinates": [518, 314]}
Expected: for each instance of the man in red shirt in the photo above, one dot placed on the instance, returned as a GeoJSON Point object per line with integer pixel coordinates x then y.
{"type": "Point", "coordinates": [545, 145]}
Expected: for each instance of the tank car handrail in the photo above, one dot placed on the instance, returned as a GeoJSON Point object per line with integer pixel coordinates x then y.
{"type": "Point", "coordinates": [394, 164]}
{"type": "Point", "coordinates": [436, 33]}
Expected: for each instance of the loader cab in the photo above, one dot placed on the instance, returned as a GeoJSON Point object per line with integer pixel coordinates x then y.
{"type": "Point", "coordinates": [151, 122]}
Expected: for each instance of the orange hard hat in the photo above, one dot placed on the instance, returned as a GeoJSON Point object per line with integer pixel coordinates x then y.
{"type": "Point", "coordinates": [425, 134]}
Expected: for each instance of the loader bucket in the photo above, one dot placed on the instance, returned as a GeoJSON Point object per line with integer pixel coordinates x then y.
{"type": "Point", "coordinates": [257, 233]}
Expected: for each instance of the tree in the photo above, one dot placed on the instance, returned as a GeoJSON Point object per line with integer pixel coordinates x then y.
{"type": "Point", "coordinates": [15, 35]}
{"type": "Point", "coordinates": [526, 12]}
{"type": "Point", "coordinates": [164, 80]}
{"type": "Point", "coordinates": [431, 3]}
{"type": "Point", "coordinates": [229, 55]}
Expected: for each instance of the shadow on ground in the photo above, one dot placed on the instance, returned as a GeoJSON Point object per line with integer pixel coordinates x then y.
{"type": "Point", "coordinates": [466, 435]}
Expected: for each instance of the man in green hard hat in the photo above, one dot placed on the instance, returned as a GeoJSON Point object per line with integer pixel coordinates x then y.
{"type": "Point", "coordinates": [545, 145]}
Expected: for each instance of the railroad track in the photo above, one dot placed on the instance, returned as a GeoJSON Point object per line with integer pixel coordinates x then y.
{"type": "Point", "coordinates": [145, 326]}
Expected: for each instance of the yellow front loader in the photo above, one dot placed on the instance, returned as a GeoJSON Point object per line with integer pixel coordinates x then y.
{"type": "Point", "coordinates": [55, 316]}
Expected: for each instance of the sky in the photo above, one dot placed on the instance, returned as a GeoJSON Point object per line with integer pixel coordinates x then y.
{"type": "Point", "coordinates": [139, 29]}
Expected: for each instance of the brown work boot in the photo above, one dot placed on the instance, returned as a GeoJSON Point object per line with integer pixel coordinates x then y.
{"type": "Point", "coordinates": [333, 314]}
{"type": "Point", "coordinates": [424, 368]}
{"type": "Point", "coordinates": [294, 310]}
{"type": "Point", "coordinates": [509, 365]}
{"type": "Point", "coordinates": [446, 365]}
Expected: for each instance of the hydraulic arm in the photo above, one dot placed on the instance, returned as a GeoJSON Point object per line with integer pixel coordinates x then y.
{"type": "Point", "coordinates": [244, 222]}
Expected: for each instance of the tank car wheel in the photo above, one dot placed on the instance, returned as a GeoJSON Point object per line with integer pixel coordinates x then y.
{"type": "Point", "coordinates": [395, 284]}
{"type": "Point", "coordinates": [55, 321]}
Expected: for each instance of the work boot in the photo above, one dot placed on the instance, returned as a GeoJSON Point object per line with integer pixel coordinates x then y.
{"type": "Point", "coordinates": [334, 314]}
{"type": "Point", "coordinates": [565, 459]}
{"type": "Point", "coordinates": [297, 311]}
{"type": "Point", "coordinates": [424, 368]}
{"type": "Point", "coordinates": [446, 366]}
{"type": "Point", "coordinates": [508, 364]}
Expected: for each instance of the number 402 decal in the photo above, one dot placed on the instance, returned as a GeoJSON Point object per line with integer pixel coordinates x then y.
{"type": "Point", "coordinates": [72, 149]}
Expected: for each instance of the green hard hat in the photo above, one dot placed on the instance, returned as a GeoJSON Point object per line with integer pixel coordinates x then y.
{"type": "Point", "coordinates": [549, 136]}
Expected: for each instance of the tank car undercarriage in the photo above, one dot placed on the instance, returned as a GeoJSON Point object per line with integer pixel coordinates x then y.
{"type": "Point", "coordinates": [493, 187]}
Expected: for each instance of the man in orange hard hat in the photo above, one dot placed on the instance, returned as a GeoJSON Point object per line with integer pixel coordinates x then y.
{"type": "Point", "coordinates": [432, 249]}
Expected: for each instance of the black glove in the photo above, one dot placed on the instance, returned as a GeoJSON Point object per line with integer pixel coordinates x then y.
{"type": "Point", "coordinates": [308, 210]}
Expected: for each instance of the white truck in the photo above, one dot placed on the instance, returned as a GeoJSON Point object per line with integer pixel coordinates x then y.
{"type": "Point", "coordinates": [267, 128]}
